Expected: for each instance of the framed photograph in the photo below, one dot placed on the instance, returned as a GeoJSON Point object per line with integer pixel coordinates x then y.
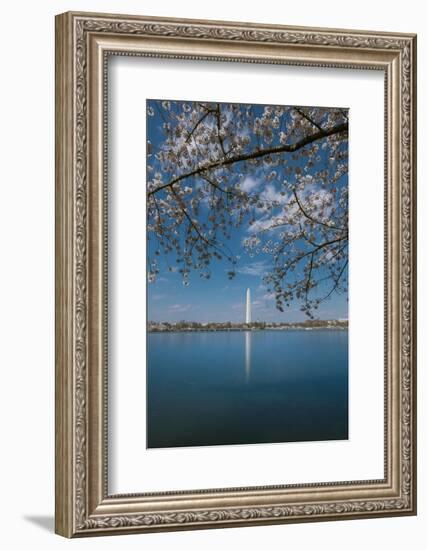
{"type": "Point", "coordinates": [235, 274]}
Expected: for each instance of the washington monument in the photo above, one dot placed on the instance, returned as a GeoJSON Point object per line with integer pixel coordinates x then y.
{"type": "Point", "coordinates": [248, 307]}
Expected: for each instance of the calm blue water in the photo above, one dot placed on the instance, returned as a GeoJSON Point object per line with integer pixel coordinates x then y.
{"type": "Point", "coordinates": [222, 388]}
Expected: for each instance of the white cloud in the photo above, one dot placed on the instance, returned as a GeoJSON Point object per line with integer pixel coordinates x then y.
{"type": "Point", "coordinates": [270, 194]}
{"type": "Point", "coordinates": [180, 308]}
{"type": "Point", "coordinates": [266, 223]}
{"type": "Point", "coordinates": [158, 296]}
{"type": "Point", "coordinates": [318, 200]}
{"type": "Point", "coordinates": [255, 269]}
{"type": "Point", "coordinates": [249, 184]}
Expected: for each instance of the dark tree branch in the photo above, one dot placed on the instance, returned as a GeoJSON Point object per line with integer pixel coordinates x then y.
{"type": "Point", "coordinates": [201, 119]}
{"type": "Point", "coordinates": [196, 228]}
{"type": "Point", "coordinates": [214, 184]}
{"type": "Point", "coordinates": [310, 271]}
{"type": "Point", "coordinates": [336, 283]}
{"type": "Point", "coordinates": [342, 111]}
{"type": "Point", "coordinates": [300, 112]}
{"type": "Point", "coordinates": [309, 217]}
{"type": "Point", "coordinates": [317, 247]}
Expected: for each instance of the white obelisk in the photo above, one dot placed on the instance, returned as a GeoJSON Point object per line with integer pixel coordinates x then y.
{"type": "Point", "coordinates": [248, 307]}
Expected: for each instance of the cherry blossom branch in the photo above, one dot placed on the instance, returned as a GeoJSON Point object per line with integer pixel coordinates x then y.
{"type": "Point", "coordinates": [286, 148]}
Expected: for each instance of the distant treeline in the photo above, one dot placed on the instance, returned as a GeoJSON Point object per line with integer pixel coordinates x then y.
{"type": "Point", "coordinates": [186, 326]}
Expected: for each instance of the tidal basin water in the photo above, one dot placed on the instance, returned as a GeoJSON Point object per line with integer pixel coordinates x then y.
{"type": "Point", "coordinates": [225, 388]}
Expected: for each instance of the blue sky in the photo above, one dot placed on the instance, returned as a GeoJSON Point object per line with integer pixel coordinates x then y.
{"type": "Point", "coordinates": [218, 298]}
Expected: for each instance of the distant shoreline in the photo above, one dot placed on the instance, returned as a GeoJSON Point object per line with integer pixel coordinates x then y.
{"type": "Point", "coordinates": [253, 327]}
{"type": "Point", "coordinates": [160, 331]}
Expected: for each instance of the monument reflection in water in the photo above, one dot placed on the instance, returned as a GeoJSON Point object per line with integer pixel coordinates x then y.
{"type": "Point", "coordinates": [248, 318]}
{"type": "Point", "coordinates": [248, 337]}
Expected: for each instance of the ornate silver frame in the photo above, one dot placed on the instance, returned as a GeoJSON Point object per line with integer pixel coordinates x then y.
{"type": "Point", "coordinates": [83, 505]}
